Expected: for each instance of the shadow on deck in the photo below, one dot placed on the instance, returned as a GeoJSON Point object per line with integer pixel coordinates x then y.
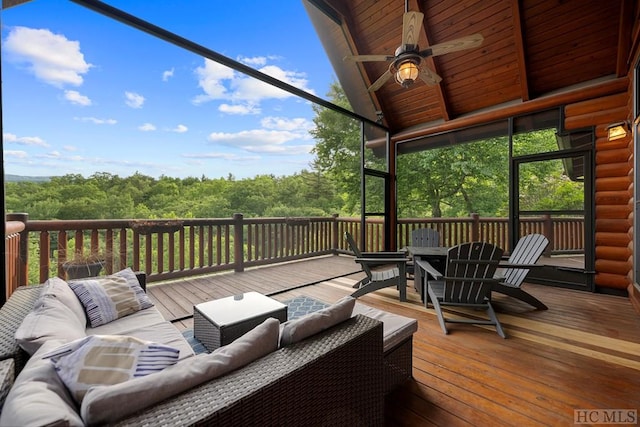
{"type": "Point", "coordinates": [582, 353]}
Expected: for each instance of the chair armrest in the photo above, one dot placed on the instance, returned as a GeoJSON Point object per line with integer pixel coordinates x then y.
{"type": "Point", "coordinates": [374, 260]}
{"type": "Point", "coordinates": [467, 279]}
{"type": "Point", "coordinates": [519, 266]}
{"type": "Point", "coordinates": [473, 261]}
{"type": "Point", "coordinates": [396, 254]}
{"type": "Point", "coordinates": [428, 268]}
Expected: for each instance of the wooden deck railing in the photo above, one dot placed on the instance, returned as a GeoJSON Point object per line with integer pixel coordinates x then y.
{"type": "Point", "coordinates": [12, 230]}
{"type": "Point", "coordinates": [167, 249]}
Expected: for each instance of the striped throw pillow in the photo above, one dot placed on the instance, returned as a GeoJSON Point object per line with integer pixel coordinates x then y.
{"type": "Point", "coordinates": [107, 360]}
{"type": "Point", "coordinates": [108, 298]}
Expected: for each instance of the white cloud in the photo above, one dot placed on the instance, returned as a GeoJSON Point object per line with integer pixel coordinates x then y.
{"type": "Point", "coordinates": [16, 153]}
{"type": "Point", "coordinates": [134, 100]}
{"type": "Point", "coordinates": [96, 121]}
{"type": "Point", "coordinates": [219, 82]}
{"type": "Point", "coordinates": [52, 58]}
{"type": "Point", "coordinates": [299, 124]}
{"type": "Point", "coordinates": [239, 109]}
{"type": "Point", "coordinates": [278, 135]}
{"type": "Point", "coordinates": [51, 155]}
{"type": "Point", "coordinates": [69, 148]}
{"type": "Point", "coordinates": [252, 137]}
{"type": "Point", "coordinates": [289, 150]}
{"type": "Point", "coordinates": [147, 127]}
{"type": "Point", "coordinates": [223, 156]}
{"type": "Point", "coordinates": [75, 97]}
{"type": "Point", "coordinates": [180, 129]}
{"type": "Point", "coordinates": [24, 140]}
{"type": "Point", "coordinates": [166, 75]}
{"type": "Point", "coordinates": [254, 61]}
{"type": "Point", "coordinates": [210, 79]}
{"type": "Point", "coordinates": [250, 89]}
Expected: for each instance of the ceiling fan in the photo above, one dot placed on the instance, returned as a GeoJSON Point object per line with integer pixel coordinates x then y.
{"type": "Point", "coordinates": [408, 63]}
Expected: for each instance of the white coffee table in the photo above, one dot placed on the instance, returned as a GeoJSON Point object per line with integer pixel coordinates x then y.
{"type": "Point", "coordinates": [219, 322]}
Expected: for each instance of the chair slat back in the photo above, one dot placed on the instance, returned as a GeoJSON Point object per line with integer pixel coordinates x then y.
{"type": "Point", "coordinates": [425, 237]}
{"type": "Point", "coordinates": [527, 251]}
{"type": "Point", "coordinates": [469, 273]}
{"type": "Point", "coordinates": [354, 248]}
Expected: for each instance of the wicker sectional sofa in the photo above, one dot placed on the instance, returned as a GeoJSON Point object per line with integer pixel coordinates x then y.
{"type": "Point", "coordinates": [336, 377]}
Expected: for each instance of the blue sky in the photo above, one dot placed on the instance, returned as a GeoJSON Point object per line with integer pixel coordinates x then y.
{"type": "Point", "coordinates": [83, 93]}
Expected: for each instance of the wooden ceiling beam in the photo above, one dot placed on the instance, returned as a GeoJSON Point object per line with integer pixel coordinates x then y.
{"type": "Point", "coordinates": [538, 104]}
{"type": "Point", "coordinates": [627, 18]}
{"type": "Point", "coordinates": [441, 96]}
{"type": "Point", "coordinates": [518, 37]}
{"type": "Point", "coordinates": [347, 24]}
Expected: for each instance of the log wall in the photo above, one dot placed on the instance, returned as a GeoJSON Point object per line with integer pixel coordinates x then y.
{"type": "Point", "coordinates": [613, 186]}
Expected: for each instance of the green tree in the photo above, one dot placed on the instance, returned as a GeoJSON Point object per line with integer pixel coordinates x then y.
{"type": "Point", "coordinates": [337, 149]}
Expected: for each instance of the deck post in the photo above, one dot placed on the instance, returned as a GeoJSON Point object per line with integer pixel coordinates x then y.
{"type": "Point", "coordinates": [547, 227]}
{"type": "Point", "coordinates": [238, 242]}
{"type": "Point", "coordinates": [23, 262]}
{"type": "Point", "coordinates": [335, 243]}
{"type": "Point", "coordinates": [475, 228]}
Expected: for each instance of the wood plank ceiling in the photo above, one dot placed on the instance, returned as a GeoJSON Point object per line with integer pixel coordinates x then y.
{"type": "Point", "coordinates": [531, 48]}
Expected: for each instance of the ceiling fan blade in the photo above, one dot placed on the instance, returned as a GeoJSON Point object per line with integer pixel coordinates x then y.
{"type": "Point", "coordinates": [462, 43]}
{"type": "Point", "coordinates": [381, 80]}
{"type": "Point", "coordinates": [411, 24]}
{"type": "Point", "coordinates": [367, 58]}
{"type": "Point", "coordinates": [429, 77]}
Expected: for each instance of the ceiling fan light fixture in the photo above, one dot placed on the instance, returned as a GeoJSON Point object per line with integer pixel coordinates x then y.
{"type": "Point", "coordinates": [407, 72]}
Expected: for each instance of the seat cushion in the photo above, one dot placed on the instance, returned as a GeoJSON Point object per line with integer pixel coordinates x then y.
{"type": "Point", "coordinates": [148, 325]}
{"type": "Point", "coordinates": [395, 328]}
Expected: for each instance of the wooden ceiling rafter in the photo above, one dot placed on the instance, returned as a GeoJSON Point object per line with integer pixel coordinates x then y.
{"type": "Point", "coordinates": [520, 50]}
{"type": "Point", "coordinates": [346, 24]}
{"type": "Point", "coordinates": [429, 62]}
{"type": "Point", "coordinates": [627, 17]}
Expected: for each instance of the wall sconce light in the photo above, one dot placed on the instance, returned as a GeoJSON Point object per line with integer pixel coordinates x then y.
{"type": "Point", "coordinates": [617, 130]}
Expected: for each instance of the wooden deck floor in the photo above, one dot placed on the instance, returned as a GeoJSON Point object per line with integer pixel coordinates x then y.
{"type": "Point", "coordinates": [584, 352]}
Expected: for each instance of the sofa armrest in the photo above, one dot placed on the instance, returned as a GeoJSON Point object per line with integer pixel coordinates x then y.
{"type": "Point", "coordinates": [12, 314]}
{"type": "Point", "coordinates": [334, 377]}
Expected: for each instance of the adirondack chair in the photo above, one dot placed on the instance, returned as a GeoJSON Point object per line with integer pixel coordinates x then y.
{"type": "Point", "coordinates": [379, 274]}
{"type": "Point", "coordinates": [467, 282]}
{"type": "Point", "coordinates": [525, 255]}
{"type": "Point", "coordinates": [425, 237]}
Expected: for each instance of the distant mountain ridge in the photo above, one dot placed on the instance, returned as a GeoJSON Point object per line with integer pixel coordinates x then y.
{"type": "Point", "coordinates": [21, 178]}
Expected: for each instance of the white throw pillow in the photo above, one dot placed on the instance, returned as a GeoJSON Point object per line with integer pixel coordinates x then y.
{"type": "Point", "coordinates": [296, 330]}
{"type": "Point", "coordinates": [108, 298]}
{"type": "Point", "coordinates": [51, 319]}
{"type": "Point", "coordinates": [107, 404]}
{"type": "Point", "coordinates": [38, 396]}
{"type": "Point", "coordinates": [108, 359]}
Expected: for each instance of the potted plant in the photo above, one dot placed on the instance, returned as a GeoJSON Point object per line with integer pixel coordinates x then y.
{"type": "Point", "coordinates": [84, 265]}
